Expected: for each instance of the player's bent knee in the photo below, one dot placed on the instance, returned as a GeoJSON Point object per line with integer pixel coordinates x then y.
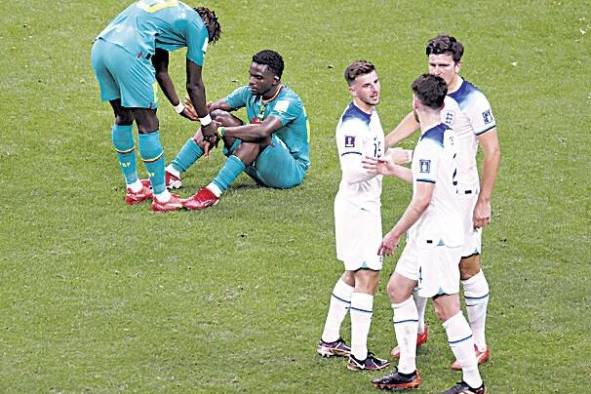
{"type": "Point", "coordinates": [225, 118]}
{"type": "Point", "coordinates": [469, 266]}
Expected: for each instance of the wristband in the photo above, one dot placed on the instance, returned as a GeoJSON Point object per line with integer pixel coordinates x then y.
{"type": "Point", "coordinates": [222, 131]}
{"type": "Point", "coordinates": [180, 107]}
{"type": "Point", "coordinates": [205, 121]}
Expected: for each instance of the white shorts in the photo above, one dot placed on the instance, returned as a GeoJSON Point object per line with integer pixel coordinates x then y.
{"type": "Point", "coordinates": [358, 235]}
{"type": "Point", "coordinates": [435, 268]}
{"type": "Point", "coordinates": [472, 236]}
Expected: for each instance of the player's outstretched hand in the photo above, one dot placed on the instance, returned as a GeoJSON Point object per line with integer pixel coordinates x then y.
{"type": "Point", "coordinates": [399, 156]}
{"type": "Point", "coordinates": [389, 244]}
{"type": "Point", "coordinates": [189, 113]}
{"type": "Point", "coordinates": [377, 166]}
{"type": "Point", "coordinates": [482, 214]}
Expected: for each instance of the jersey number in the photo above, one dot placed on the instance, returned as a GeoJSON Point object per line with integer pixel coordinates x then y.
{"type": "Point", "coordinates": [152, 6]}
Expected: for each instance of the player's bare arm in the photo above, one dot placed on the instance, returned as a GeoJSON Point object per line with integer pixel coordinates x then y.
{"type": "Point", "coordinates": [407, 126]}
{"type": "Point", "coordinates": [419, 203]}
{"type": "Point", "coordinates": [387, 166]}
{"type": "Point", "coordinates": [254, 132]}
{"type": "Point", "coordinates": [491, 150]}
{"type": "Point", "coordinates": [160, 63]}
{"type": "Point", "coordinates": [196, 91]}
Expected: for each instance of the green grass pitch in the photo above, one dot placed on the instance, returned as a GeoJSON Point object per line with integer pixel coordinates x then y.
{"type": "Point", "coordinates": [99, 297]}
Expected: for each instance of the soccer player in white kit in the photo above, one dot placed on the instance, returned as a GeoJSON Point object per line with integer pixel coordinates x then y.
{"type": "Point", "coordinates": [435, 236]}
{"type": "Point", "coordinates": [358, 224]}
{"type": "Point", "coordinates": [468, 112]}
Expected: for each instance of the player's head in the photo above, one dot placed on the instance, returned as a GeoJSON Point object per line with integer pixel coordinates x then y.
{"type": "Point", "coordinates": [210, 20]}
{"type": "Point", "coordinates": [429, 93]}
{"type": "Point", "coordinates": [444, 54]}
{"type": "Point", "coordinates": [265, 71]}
{"type": "Point", "coordinates": [364, 85]}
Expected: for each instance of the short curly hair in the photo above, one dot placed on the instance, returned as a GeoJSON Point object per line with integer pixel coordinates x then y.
{"type": "Point", "coordinates": [210, 20]}
{"type": "Point", "coordinates": [443, 44]}
{"type": "Point", "coordinates": [271, 59]}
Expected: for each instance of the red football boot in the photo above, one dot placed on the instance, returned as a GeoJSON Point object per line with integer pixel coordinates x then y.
{"type": "Point", "coordinates": [173, 204]}
{"type": "Point", "coordinates": [422, 337]}
{"type": "Point", "coordinates": [204, 198]}
{"type": "Point", "coordinates": [132, 198]}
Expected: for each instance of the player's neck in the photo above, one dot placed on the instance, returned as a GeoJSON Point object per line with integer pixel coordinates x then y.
{"type": "Point", "coordinates": [455, 84]}
{"type": "Point", "coordinates": [368, 109]}
{"type": "Point", "coordinates": [272, 94]}
{"type": "Point", "coordinates": [428, 120]}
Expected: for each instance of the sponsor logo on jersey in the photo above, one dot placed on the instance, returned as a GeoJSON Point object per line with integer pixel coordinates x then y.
{"type": "Point", "coordinates": [487, 117]}
{"type": "Point", "coordinates": [424, 166]}
{"type": "Point", "coordinates": [349, 141]}
{"type": "Point", "coordinates": [281, 106]}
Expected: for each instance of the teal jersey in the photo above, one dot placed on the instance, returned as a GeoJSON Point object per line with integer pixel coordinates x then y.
{"type": "Point", "coordinates": [288, 108]}
{"type": "Point", "coordinates": [165, 24]}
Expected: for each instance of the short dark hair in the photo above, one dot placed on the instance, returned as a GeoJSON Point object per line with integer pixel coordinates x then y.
{"type": "Point", "coordinates": [357, 68]}
{"type": "Point", "coordinates": [210, 20]}
{"type": "Point", "coordinates": [271, 59]}
{"type": "Point", "coordinates": [430, 90]}
{"type": "Point", "coordinates": [443, 44]}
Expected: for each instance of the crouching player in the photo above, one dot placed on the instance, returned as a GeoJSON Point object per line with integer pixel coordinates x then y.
{"type": "Point", "coordinates": [430, 259]}
{"type": "Point", "coordinates": [357, 222]}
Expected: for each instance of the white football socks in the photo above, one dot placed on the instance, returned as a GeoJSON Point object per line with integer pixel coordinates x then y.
{"type": "Point", "coordinates": [476, 296]}
{"type": "Point", "coordinates": [421, 303]}
{"type": "Point", "coordinates": [406, 327]}
{"type": "Point", "coordinates": [340, 301]}
{"type": "Point", "coordinates": [136, 186]}
{"type": "Point", "coordinates": [361, 312]}
{"type": "Point", "coordinates": [459, 337]}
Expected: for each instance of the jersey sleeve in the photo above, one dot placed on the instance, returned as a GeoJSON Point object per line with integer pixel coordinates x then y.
{"type": "Point", "coordinates": [350, 148]}
{"type": "Point", "coordinates": [286, 109]}
{"type": "Point", "coordinates": [480, 114]}
{"type": "Point", "coordinates": [197, 41]}
{"type": "Point", "coordinates": [426, 158]}
{"type": "Point", "coordinates": [238, 98]}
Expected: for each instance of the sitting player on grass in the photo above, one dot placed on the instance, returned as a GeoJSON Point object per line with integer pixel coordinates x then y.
{"type": "Point", "coordinates": [273, 148]}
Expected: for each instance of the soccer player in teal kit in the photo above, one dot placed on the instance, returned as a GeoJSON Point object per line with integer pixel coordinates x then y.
{"type": "Point", "coordinates": [273, 148]}
{"type": "Point", "coordinates": [130, 57]}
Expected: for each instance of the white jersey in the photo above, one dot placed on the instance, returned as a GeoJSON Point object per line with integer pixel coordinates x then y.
{"type": "Point", "coordinates": [359, 134]}
{"type": "Point", "coordinates": [434, 161]}
{"type": "Point", "coordinates": [468, 113]}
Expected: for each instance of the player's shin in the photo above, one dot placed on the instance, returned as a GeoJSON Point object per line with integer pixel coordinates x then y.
{"type": "Point", "coordinates": [361, 314]}
{"type": "Point", "coordinates": [340, 301]}
{"type": "Point", "coordinates": [460, 340]}
{"type": "Point", "coordinates": [421, 303]}
{"type": "Point", "coordinates": [406, 326]}
{"type": "Point", "coordinates": [187, 156]}
{"type": "Point", "coordinates": [153, 157]}
{"type": "Point", "coordinates": [476, 294]}
{"type": "Point", "coordinates": [229, 172]}
{"type": "Point", "coordinates": [122, 138]}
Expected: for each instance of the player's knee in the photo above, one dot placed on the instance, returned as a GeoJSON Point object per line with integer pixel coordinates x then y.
{"type": "Point", "coordinates": [469, 266]}
{"type": "Point", "coordinates": [123, 118]}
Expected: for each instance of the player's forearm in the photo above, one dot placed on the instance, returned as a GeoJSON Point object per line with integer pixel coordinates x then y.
{"type": "Point", "coordinates": [490, 169]}
{"type": "Point", "coordinates": [196, 92]}
{"type": "Point", "coordinates": [220, 104]}
{"type": "Point", "coordinates": [402, 173]}
{"type": "Point", "coordinates": [248, 133]}
{"type": "Point", "coordinates": [411, 215]}
{"type": "Point", "coordinates": [407, 126]}
{"type": "Point", "coordinates": [167, 86]}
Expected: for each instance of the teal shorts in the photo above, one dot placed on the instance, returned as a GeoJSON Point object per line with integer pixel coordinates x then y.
{"type": "Point", "coordinates": [274, 167]}
{"type": "Point", "coordinates": [123, 76]}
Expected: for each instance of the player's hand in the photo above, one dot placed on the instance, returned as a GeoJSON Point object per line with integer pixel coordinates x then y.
{"type": "Point", "coordinates": [389, 244]}
{"type": "Point", "coordinates": [211, 130]}
{"type": "Point", "coordinates": [379, 166]}
{"type": "Point", "coordinates": [189, 113]}
{"type": "Point", "coordinates": [482, 214]}
{"type": "Point", "coordinates": [399, 156]}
